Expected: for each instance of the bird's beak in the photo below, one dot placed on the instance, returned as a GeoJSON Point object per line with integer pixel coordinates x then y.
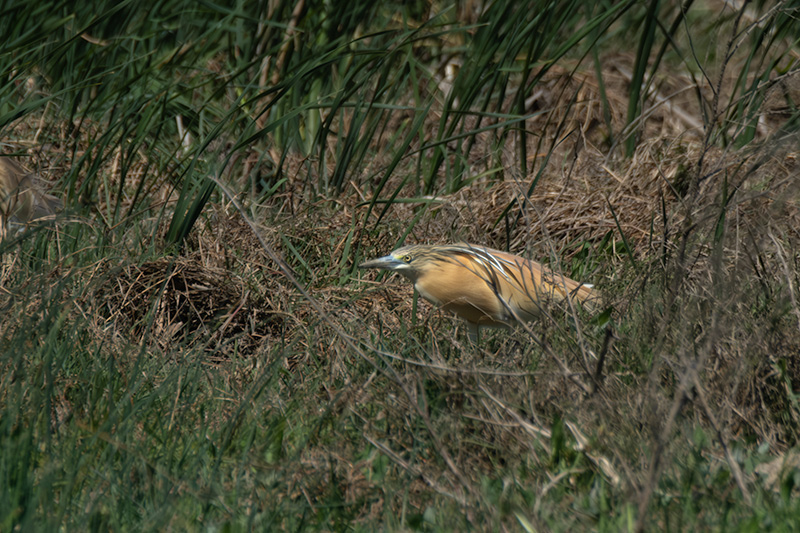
{"type": "Point", "coordinates": [387, 262]}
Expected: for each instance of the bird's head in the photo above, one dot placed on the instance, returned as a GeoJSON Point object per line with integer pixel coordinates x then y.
{"type": "Point", "coordinates": [410, 261]}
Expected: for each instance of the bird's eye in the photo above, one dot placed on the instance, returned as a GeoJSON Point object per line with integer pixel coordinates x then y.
{"type": "Point", "coordinates": [407, 258]}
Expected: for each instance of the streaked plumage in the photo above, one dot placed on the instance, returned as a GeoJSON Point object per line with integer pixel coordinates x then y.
{"type": "Point", "coordinates": [21, 200]}
{"type": "Point", "coordinates": [485, 287]}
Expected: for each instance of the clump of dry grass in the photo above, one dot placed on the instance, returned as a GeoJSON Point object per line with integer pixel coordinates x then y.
{"type": "Point", "coordinates": [185, 300]}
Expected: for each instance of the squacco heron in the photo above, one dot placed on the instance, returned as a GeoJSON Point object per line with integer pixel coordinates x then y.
{"type": "Point", "coordinates": [21, 200]}
{"type": "Point", "coordinates": [485, 287]}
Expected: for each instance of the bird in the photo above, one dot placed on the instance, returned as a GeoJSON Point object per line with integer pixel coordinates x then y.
{"type": "Point", "coordinates": [21, 199]}
{"type": "Point", "coordinates": [483, 286]}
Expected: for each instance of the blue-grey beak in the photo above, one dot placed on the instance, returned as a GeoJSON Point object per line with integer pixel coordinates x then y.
{"type": "Point", "coordinates": [387, 262]}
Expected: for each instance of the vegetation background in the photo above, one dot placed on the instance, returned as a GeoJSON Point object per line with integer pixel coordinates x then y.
{"type": "Point", "coordinates": [190, 345]}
